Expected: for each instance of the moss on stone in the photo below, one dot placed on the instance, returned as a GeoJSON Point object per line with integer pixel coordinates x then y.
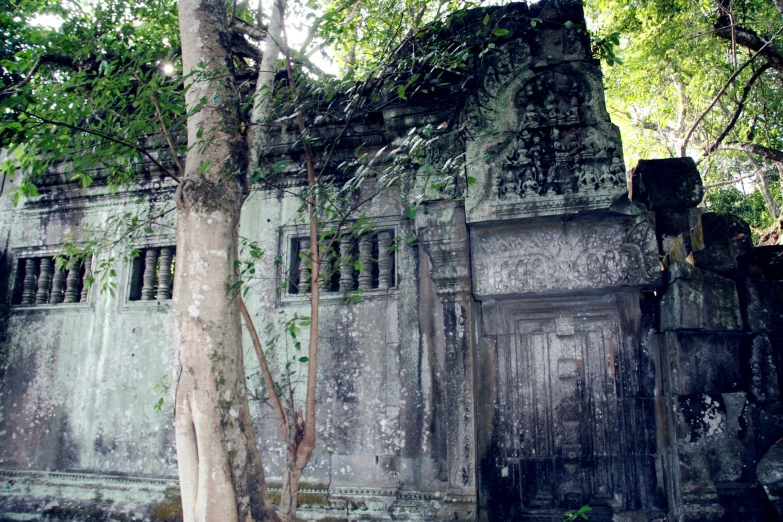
{"type": "Point", "coordinates": [170, 510]}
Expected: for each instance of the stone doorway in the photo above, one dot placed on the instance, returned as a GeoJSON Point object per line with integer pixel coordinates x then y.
{"type": "Point", "coordinates": [564, 420]}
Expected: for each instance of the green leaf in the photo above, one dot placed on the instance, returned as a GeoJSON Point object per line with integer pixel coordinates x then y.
{"type": "Point", "coordinates": [401, 92]}
{"type": "Point", "coordinates": [486, 19]}
{"type": "Point", "coordinates": [304, 359]}
{"type": "Point", "coordinates": [501, 32]}
{"type": "Point", "coordinates": [411, 212]}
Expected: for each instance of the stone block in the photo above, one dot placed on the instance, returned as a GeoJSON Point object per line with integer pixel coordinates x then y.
{"type": "Point", "coordinates": [769, 259]}
{"type": "Point", "coordinates": [770, 475]}
{"type": "Point", "coordinates": [760, 308]}
{"type": "Point", "coordinates": [680, 249]}
{"type": "Point", "coordinates": [699, 300]}
{"type": "Point", "coordinates": [717, 240]}
{"type": "Point", "coordinates": [763, 371]}
{"type": "Point", "coordinates": [670, 223]}
{"type": "Point", "coordinates": [666, 183]}
{"type": "Point", "coordinates": [703, 363]}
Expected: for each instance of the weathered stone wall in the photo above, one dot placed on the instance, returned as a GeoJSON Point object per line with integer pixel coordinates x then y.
{"type": "Point", "coordinates": [545, 340]}
{"type": "Point", "coordinates": [719, 340]}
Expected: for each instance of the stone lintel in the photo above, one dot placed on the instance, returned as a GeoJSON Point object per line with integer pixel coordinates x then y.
{"type": "Point", "coordinates": [557, 257]}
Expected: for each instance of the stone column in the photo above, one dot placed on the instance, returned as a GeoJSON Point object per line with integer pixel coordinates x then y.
{"type": "Point", "coordinates": [72, 283]}
{"type": "Point", "coordinates": [443, 236]}
{"type": "Point", "coordinates": [346, 263]}
{"type": "Point", "coordinates": [44, 279]}
{"type": "Point", "coordinates": [85, 279]}
{"type": "Point", "coordinates": [385, 276]}
{"type": "Point", "coordinates": [30, 278]}
{"type": "Point", "coordinates": [365, 258]}
{"type": "Point", "coordinates": [58, 283]}
{"type": "Point", "coordinates": [303, 273]}
{"type": "Point", "coordinates": [150, 266]}
{"type": "Point", "coordinates": [164, 275]}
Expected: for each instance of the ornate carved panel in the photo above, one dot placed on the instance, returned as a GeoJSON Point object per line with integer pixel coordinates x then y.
{"type": "Point", "coordinates": [564, 256]}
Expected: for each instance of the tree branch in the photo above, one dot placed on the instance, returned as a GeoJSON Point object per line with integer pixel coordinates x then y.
{"type": "Point", "coordinates": [753, 148]}
{"type": "Point", "coordinates": [277, 405]}
{"type": "Point", "coordinates": [105, 136]}
{"type": "Point", "coordinates": [687, 138]}
{"type": "Point", "coordinates": [749, 39]}
{"type": "Point", "coordinates": [738, 111]}
{"type": "Point", "coordinates": [241, 27]}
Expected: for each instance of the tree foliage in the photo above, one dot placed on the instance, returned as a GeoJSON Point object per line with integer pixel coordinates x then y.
{"type": "Point", "coordinates": [701, 78]}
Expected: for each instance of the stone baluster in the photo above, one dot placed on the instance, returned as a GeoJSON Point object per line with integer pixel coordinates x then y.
{"type": "Point", "coordinates": [164, 275]}
{"type": "Point", "coordinates": [30, 279]}
{"type": "Point", "coordinates": [385, 278]}
{"type": "Point", "coordinates": [365, 258]}
{"type": "Point", "coordinates": [44, 279]}
{"type": "Point", "coordinates": [327, 266]}
{"type": "Point", "coordinates": [85, 279]}
{"type": "Point", "coordinates": [150, 266]}
{"type": "Point", "coordinates": [304, 266]}
{"type": "Point", "coordinates": [72, 293]}
{"type": "Point", "coordinates": [346, 263]}
{"type": "Point", "coordinates": [58, 283]}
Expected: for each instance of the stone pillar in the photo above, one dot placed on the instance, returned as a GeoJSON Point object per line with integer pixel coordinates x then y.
{"type": "Point", "coordinates": [365, 258]}
{"type": "Point", "coordinates": [44, 279]}
{"type": "Point", "coordinates": [303, 273]}
{"type": "Point", "coordinates": [346, 263]}
{"type": "Point", "coordinates": [72, 283]}
{"type": "Point", "coordinates": [385, 276]}
{"type": "Point", "coordinates": [85, 279]}
{"type": "Point", "coordinates": [443, 235]}
{"type": "Point", "coordinates": [150, 266]}
{"type": "Point", "coordinates": [164, 275]}
{"type": "Point", "coordinates": [30, 278]}
{"type": "Point", "coordinates": [58, 283]}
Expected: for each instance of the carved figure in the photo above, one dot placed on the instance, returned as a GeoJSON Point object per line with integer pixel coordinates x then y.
{"type": "Point", "coordinates": [536, 149]}
{"type": "Point", "coordinates": [508, 185]}
{"type": "Point", "coordinates": [617, 169]}
{"type": "Point", "coordinates": [607, 179]}
{"type": "Point", "coordinates": [551, 176]}
{"type": "Point", "coordinates": [529, 184]}
{"type": "Point", "coordinates": [551, 107]}
{"type": "Point", "coordinates": [588, 177]}
{"type": "Point", "coordinates": [572, 116]}
{"type": "Point", "coordinates": [530, 118]}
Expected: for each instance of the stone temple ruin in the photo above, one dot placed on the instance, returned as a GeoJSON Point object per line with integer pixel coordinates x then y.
{"type": "Point", "coordinates": [557, 335]}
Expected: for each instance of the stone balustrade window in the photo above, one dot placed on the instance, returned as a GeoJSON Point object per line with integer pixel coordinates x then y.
{"type": "Point", "coordinates": [152, 274]}
{"type": "Point", "coordinates": [39, 281]}
{"type": "Point", "coordinates": [340, 271]}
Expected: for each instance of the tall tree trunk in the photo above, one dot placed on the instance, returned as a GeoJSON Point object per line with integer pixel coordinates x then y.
{"type": "Point", "coordinates": [256, 136]}
{"type": "Point", "coordinates": [221, 476]}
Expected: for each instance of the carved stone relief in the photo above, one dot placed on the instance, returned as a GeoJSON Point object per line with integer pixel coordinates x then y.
{"type": "Point", "coordinates": [542, 142]}
{"type": "Point", "coordinates": [564, 256]}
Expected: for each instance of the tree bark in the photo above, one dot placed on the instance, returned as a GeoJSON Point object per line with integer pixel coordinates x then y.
{"type": "Point", "coordinates": [221, 476]}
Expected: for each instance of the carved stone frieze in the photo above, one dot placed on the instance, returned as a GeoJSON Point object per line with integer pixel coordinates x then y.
{"type": "Point", "coordinates": [564, 256]}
